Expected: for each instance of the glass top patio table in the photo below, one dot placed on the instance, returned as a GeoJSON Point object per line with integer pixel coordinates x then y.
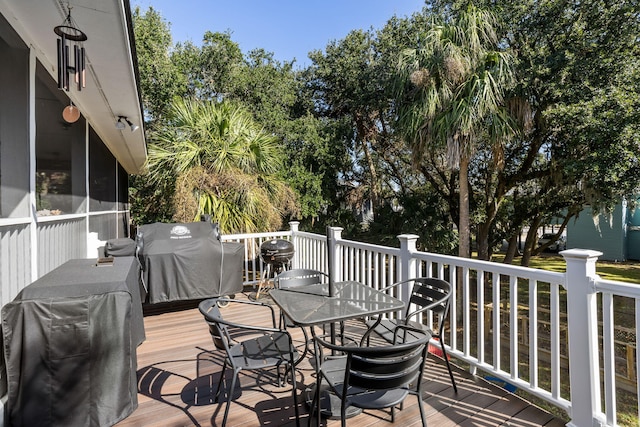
{"type": "Point", "coordinates": [312, 305]}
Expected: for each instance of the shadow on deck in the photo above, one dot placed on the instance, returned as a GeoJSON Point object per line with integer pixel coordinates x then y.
{"type": "Point", "coordinates": [178, 373]}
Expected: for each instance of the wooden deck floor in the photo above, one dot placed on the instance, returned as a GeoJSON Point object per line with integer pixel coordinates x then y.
{"type": "Point", "coordinates": [177, 372]}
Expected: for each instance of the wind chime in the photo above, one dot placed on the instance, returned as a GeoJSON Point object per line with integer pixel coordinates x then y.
{"type": "Point", "coordinates": [69, 32]}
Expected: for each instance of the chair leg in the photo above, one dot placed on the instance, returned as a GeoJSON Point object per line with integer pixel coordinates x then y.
{"type": "Point", "coordinates": [279, 378]}
{"type": "Point", "coordinates": [313, 407]}
{"type": "Point", "coordinates": [423, 416]}
{"type": "Point", "coordinates": [229, 397]}
{"type": "Point", "coordinates": [305, 336]}
{"type": "Point", "coordinates": [220, 381]}
{"type": "Point", "coordinates": [446, 360]}
{"type": "Point", "coordinates": [294, 388]}
{"type": "Point", "coordinates": [343, 412]}
{"type": "Point", "coordinates": [317, 400]}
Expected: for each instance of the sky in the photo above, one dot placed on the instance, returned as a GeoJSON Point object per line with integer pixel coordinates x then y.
{"type": "Point", "coordinates": [287, 28]}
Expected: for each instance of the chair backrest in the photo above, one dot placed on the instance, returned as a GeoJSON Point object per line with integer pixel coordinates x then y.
{"type": "Point", "coordinates": [217, 327]}
{"type": "Point", "coordinates": [224, 332]}
{"type": "Point", "coordinates": [384, 367]}
{"type": "Point", "coordinates": [428, 294]}
{"type": "Point", "coordinates": [300, 277]}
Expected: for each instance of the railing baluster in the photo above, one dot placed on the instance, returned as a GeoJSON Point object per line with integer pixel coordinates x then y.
{"type": "Point", "coordinates": [496, 321]}
{"type": "Point", "coordinates": [533, 333]}
{"type": "Point", "coordinates": [513, 323]}
{"type": "Point", "coordinates": [482, 334]}
{"type": "Point", "coordinates": [609, 358]}
{"type": "Point", "coordinates": [554, 319]}
{"type": "Point", "coordinates": [466, 312]}
{"type": "Point", "coordinates": [637, 314]}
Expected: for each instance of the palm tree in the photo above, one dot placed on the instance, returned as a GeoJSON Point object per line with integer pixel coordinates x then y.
{"type": "Point", "coordinates": [450, 96]}
{"type": "Point", "coordinates": [224, 165]}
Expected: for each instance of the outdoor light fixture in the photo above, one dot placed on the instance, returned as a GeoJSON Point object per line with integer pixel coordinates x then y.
{"type": "Point", "coordinates": [71, 113]}
{"type": "Point", "coordinates": [120, 124]}
{"type": "Point", "coordinates": [68, 31]}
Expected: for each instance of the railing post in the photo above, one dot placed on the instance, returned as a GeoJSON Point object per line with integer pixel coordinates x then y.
{"type": "Point", "coordinates": [582, 324]}
{"type": "Point", "coordinates": [407, 262]}
{"type": "Point", "coordinates": [335, 257]}
{"type": "Point", "coordinates": [293, 226]}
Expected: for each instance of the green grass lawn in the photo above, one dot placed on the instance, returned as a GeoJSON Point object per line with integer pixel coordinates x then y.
{"type": "Point", "coordinates": [621, 271]}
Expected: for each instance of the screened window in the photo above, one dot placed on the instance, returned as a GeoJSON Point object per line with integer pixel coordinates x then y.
{"type": "Point", "coordinates": [60, 152]}
{"type": "Point", "coordinates": [102, 176]}
{"type": "Point", "coordinates": [14, 124]}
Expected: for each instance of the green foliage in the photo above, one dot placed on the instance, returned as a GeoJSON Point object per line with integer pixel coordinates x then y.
{"type": "Point", "coordinates": [212, 68]}
{"type": "Point", "coordinates": [576, 67]}
{"type": "Point", "coordinates": [420, 212]}
{"type": "Point", "coordinates": [450, 96]}
{"type": "Point", "coordinates": [224, 165]}
{"type": "Point", "coordinates": [347, 85]}
{"type": "Point", "coordinates": [563, 135]}
{"type": "Point", "coordinates": [217, 70]}
{"type": "Point", "coordinates": [160, 77]}
{"type": "Point", "coordinates": [151, 201]}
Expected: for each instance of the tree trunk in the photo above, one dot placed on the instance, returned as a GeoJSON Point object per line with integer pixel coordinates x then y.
{"type": "Point", "coordinates": [464, 232]}
{"type": "Point", "coordinates": [373, 174]}
{"type": "Point", "coordinates": [531, 240]}
{"type": "Point", "coordinates": [512, 250]}
{"type": "Point", "coordinates": [482, 240]}
{"type": "Point", "coordinates": [366, 133]}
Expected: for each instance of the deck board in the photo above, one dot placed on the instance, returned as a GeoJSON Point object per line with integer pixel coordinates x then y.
{"type": "Point", "coordinates": [178, 372]}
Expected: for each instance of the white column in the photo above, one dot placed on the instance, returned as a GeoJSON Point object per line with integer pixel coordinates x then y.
{"type": "Point", "coordinates": [296, 262]}
{"type": "Point", "coordinates": [333, 255]}
{"type": "Point", "coordinates": [582, 319]}
{"type": "Point", "coordinates": [407, 262]}
{"type": "Point", "coordinates": [32, 163]}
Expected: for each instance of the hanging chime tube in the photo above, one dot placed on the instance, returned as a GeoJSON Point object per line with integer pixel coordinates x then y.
{"type": "Point", "coordinates": [62, 65]}
{"type": "Point", "coordinates": [66, 64]}
{"type": "Point", "coordinates": [82, 82]}
{"type": "Point", "coordinates": [76, 68]}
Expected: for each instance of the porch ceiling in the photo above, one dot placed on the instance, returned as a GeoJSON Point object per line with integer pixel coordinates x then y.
{"type": "Point", "coordinates": [111, 89]}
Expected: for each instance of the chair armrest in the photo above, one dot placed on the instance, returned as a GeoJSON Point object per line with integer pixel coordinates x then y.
{"type": "Point", "coordinates": [227, 301]}
{"type": "Point", "coordinates": [408, 331]}
{"type": "Point", "coordinates": [387, 288]}
{"type": "Point", "coordinates": [322, 342]}
{"type": "Point", "coordinates": [430, 307]}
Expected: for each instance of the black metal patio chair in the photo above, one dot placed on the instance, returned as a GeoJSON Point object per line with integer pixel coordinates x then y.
{"type": "Point", "coordinates": [297, 278]}
{"type": "Point", "coordinates": [427, 294]}
{"type": "Point", "coordinates": [266, 348]}
{"type": "Point", "coordinates": [377, 377]}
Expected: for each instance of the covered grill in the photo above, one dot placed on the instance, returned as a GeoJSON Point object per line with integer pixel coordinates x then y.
{"type": "Point", "coordinates": [188, 261]}
{"type": "Point", "coordinates": [276, 252]}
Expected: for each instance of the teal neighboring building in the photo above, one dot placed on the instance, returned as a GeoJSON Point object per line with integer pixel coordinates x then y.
{"type": "Point", "coordinates": [617, 237]}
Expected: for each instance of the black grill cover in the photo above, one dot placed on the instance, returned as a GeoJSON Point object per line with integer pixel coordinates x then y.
{"type": "Point", "coordinates": [120, 247]}
{"type": "Point", "coordinates": [187, 261]}
{"type": "Point", "coordinates": [70, 343]}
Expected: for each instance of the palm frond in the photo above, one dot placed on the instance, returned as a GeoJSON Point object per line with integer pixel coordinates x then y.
{"type": "Point", "coordinates": [223, 161]}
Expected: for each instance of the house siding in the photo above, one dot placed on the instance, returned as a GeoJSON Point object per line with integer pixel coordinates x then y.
{"type": "Point", "coordinates": [88, 205]}
{"type": "Point", "coordinates": [607, 235]}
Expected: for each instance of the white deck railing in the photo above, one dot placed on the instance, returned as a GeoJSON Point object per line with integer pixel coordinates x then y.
{"type": "Point", "coordinates": [514, 324]}
{"type": "Point", "coordinates": [568, 338]}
